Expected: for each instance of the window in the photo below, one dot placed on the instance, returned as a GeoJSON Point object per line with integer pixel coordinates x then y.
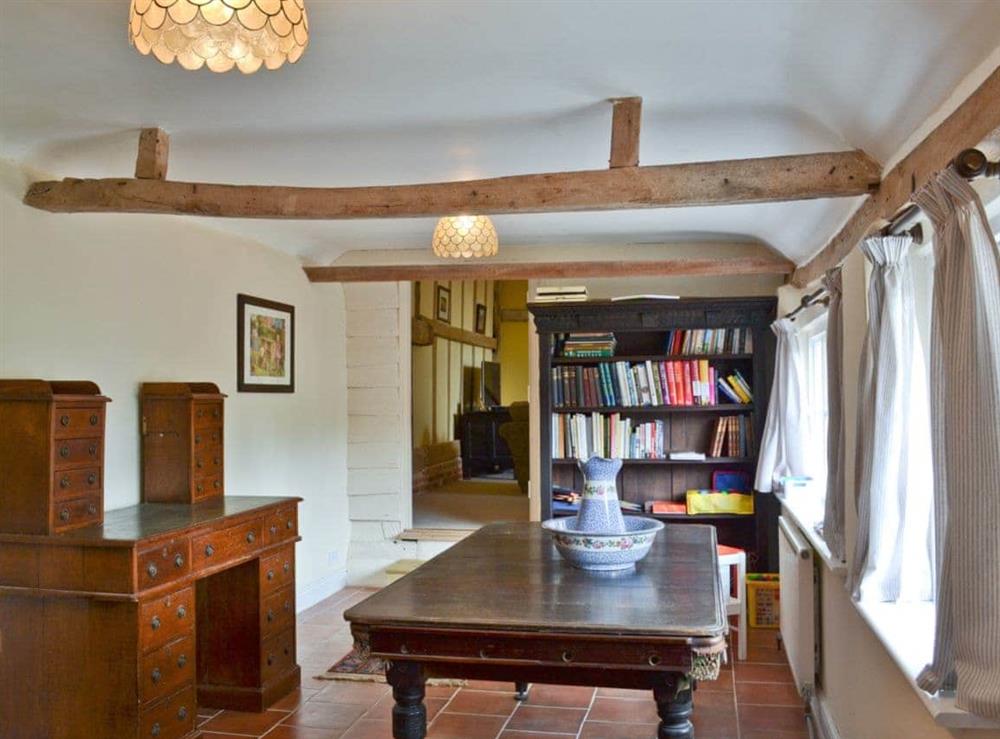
{"type": "Point", "coordinates": [813, 338]}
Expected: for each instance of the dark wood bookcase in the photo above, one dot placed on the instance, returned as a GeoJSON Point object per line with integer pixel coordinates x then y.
{"type": "Point", "coordinates": [640, 328]}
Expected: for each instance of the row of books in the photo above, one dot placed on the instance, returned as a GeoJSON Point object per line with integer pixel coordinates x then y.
{"type": "Point", "coordinates": [677, 382]}
{"type": "Point", "coordinates": [709, 341]}
{"type": "Point", "coordinates": [581, 436]}
{"type": "Point", "coordinates": [732, 437]}
{"type": "Point", "coordinates": [588, 345]}
{"type": "Point", "coordinates": [569, 502]}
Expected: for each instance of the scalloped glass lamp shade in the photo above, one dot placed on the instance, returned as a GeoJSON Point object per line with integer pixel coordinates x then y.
{"type": "Point", "coordinates": [220, 34]}
{"type": "Point", "coordinates": [465, 237]}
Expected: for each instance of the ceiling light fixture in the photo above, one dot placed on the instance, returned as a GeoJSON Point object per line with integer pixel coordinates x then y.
{"type": "Point", "coordinates": [220, 34]}
{"type": "Point", "coordinates": [465, 237]}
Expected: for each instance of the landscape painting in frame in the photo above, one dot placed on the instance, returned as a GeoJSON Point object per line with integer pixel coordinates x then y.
{"type": "Point", "coordinates": [265, 349]}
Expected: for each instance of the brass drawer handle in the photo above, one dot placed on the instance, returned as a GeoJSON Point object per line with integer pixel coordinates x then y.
{"type": "Point", "coordinates": [151, 570]}
{"type": "Point", "coordinates": [198, 464]}
{"type": "Point", "coordinates": [64, 420]}
{"type": "Point", "coordinates": [270, 574]}
{"type": "Point", "coordinates": [155, 623]}
{"type": "Point", "coordinates": [286, 651]}
{"type": "Point", "coordinates": [217, 461]}
{"type": "Point", "coordinates": [182, 612]}
{"type": "Point", "coordinates": [274, 529]}
{"type": "Point", "coordinates": [64, 451]}
{"type": "Point", "coordinates": [567, 656]}
{"type": "Point", "coordinates": [217, 484]}
{"type": "Point", "coordinates": [654, 660]}
{"type": "Point", "coordinates": [288, 605]}
{"type": "Point", "coordinates": [209, 550]}
{"type": "Point", "coordinates": [215, 413]}
{"type": "Point", "coordinates": [251, 538]}
{"type": "Point", "coordinates": [182, 713]}
{"type": "Point", "coordinates": [155, 731]}
{"type": "Point", "coordinates": [270, 615]}
{"type": "Point", "coordinates": [200, 488]}
{"type": "Point", "coordinates": [155, 675]}
{"type": "Point", "coordinates": [91, 509]}
{"type": "Point", "coordinates": [270, 660]}
{"type": "Point", "coordinates": [287, 567]}
{"type": "Point", "coordinates": [178, 561]}
{"type": "Point", "coordinates": [289, 524]}
{"type": "Point", "coordinates": [64, 483]}
{"type": "Point", "coordinates": [197, 438]}
{"type": "Point", "coordinates": [91, 478]}
{"type": "Point", "coordinates": [64, 514]}
{"type": "Point", "coordinates": [92, 449]}
{"type": "Point", "coordinates": [182, 661]}
{"type": "Point", "coordinates": [94, 419]}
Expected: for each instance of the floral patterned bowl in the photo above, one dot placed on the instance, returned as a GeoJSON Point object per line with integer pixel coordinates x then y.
{"type": "Point", "coordinates": [603, 552]}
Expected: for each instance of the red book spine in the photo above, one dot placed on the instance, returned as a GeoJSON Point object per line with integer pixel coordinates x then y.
{"type": "Point", "coordinates": [688, 389]}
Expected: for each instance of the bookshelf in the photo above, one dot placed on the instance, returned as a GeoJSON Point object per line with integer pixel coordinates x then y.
{"type": "Point", "coordinates": [641, 331]}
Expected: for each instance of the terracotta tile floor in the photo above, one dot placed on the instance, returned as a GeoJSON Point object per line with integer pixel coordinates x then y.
{"type": "Point", "coordinates": [750, 700]}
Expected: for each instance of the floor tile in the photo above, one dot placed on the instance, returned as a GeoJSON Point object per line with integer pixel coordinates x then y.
{"type": "Point", "coordinates": [744, 734]}
{"type": "Point", "coordinates": [624, 710]}
{"type": "Point", "coordinates": [714, 724]}
{"type": "Point", "coordinates": [370, 728]}
{"type": "Point", "coordinates": [440, 691]}
{"type": "Point", "coordinates": [624, 693]}
{"type": "Point", "coordinates": [382, 710]}
{"type": "Point", "coordinates": [241, 722]}
{"type": "Point", "coordinates": [757, 673]}
{"type": "Point", "coordinates": [294, 699]}
{"type": "Point", "coordinates": [767, 694]}
{"type": "Point", "coordinates": [283, 731]}
{"type": "Point", "coordinates": [326, 715]}
{"type": "Point", "coordinates": [491, 685]}
{"type": "Point", "coordinates": [772, 718]}
{"type": "Point", "coordinates": [600, 730]}
{"type": "Point", "coordinates": [531, 735]}
{"type": "Point", "coordinates": [547, 719]}
{"type": "Point", "coordinates": [482, 702]}
{"type": "Point", "coordinates": [564, 696]}
{"type": "Point", "coordinates": [465, 726]}
{"type": "Point", "coordinates": [349, 691]}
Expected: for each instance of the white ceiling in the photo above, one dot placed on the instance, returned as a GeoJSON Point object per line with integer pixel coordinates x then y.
{"type": "Point", "coordinates": [407, 91]}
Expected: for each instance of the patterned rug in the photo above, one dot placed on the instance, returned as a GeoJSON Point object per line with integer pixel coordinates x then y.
{"type": "Point", "coordinates": [352, 666]}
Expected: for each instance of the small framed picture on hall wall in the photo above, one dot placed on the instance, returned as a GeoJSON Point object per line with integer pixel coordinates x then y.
{"type": "Point", "coordinates": [265, 346]}
{"type": "Point", "coordinates": [480, 318]}
{"type": "Point", "coordinates": [442, 304]}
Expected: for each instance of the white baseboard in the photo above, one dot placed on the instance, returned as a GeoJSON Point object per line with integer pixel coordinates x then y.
{"type": "Point", "coordinates": [312, 593]}
{"type": "Point", "coordinates": [822, 720]}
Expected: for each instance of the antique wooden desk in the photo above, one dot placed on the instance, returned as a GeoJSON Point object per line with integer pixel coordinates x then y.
{"type": "Point", "coordinates": [502, 605]}
{"type": "Point", "coordinates": [122, 630]}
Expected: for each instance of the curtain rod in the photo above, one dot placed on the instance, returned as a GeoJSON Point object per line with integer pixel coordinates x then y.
{"type": "Point", "coordinates": [820, 297]}
{"type": "Point", "coordinates": [970, 164]}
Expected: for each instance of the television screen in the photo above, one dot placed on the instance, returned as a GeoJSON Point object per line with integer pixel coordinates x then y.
{"type": "Point", "coordinates": [491, 384]}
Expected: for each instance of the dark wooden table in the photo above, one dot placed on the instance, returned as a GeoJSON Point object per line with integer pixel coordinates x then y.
{"type": "Point", "coordinates": [503, 605]}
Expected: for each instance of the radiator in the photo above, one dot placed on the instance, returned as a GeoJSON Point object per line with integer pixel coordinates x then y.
{"type": "Point", "coordinates": [798, 605]}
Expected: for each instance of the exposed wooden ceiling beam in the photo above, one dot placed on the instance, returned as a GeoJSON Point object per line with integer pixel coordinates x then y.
{"type": "Point", "coordinates": [425, 330]}
{"type": "Point", "coordinates": [154, 149]}
{"type": "Point", "coordinates": [798, 177]}
{"type": "Point", "coordinates": [489, 270]}
{"type": "Point", "coordinates": [975, 119]}
{"type": "Point", "coordinates": [626, 119]}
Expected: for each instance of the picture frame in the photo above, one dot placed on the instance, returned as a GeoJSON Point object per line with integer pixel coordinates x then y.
{"type": "Point", "coordinates": [265, 345]}
{"type": "Point", "coordinates": [480, 318]}
{"type": "Point", "coordinates": [442, 303]}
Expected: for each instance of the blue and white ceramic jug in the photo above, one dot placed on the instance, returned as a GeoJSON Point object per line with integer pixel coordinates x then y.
{"type": "Point", "coordinates": [599, 508]}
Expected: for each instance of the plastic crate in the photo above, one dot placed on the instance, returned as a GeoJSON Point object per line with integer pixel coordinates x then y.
{"type": "Point", "coordinates": [763, 600]}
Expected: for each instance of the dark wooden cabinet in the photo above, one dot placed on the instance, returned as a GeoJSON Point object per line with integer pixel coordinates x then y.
{"type": "Point", "coordinates": [51, 455]}
{"type": "Point", "coordinates": [183, 452]}
{"type": "Point", "coordinates": [640, 328]}
{"type": "Point", "coordinates": [483, 449]}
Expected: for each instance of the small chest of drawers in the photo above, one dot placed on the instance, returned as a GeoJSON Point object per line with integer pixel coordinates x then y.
{"type": "Point", "coordinates": [182, 442]}
{"type": "Point", "coordinates": [51, 455]}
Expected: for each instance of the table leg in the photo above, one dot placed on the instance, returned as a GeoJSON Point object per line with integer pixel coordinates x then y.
{"type": "Point", "coordinates": [409, 716]}
{"type": "Point", "coordinates": [521, 691]}
{"type": "Point", "coordinates": [674, 705]}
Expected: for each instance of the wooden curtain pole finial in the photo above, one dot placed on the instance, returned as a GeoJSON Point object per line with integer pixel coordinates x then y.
{"type": "Point", "coordinates": [626, 118]}
{"type": "Point", "coordinates": [154, 148]}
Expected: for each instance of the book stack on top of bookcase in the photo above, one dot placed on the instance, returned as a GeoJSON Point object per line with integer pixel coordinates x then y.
{"type": "Point", "coordinates": [676, 389]}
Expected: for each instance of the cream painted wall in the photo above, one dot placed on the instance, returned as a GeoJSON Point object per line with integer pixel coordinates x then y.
{"type": "Point", "coordinates": [513, 351]}
{"type": "Point", "coordinates": [125, 299]}
{"type": "Point", "coordinates": [862, 690]}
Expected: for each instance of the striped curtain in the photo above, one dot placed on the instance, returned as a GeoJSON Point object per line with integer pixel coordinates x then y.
{"type": "Point", "coordinates": [965, 415]}
{"type": "Point", "coordinates": [893, 551]}
{"type": "Point", "coordinates": [833, 516]}
{"type": "Point", "coordinates": [782, 450]}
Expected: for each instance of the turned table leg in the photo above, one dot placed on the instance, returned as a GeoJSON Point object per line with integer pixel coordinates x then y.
{"type": "Point", "coordinates": [521, 691]}
{"type": "Point", "coordinates": [673, 704]}
{"type": "Point", "coordinates": [409, 716]}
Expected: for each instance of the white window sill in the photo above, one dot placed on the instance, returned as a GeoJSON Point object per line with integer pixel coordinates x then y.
{"type": "Point", "coordinates": [806, 510]}
{"type": "Point", "coordinates": [906, 630]}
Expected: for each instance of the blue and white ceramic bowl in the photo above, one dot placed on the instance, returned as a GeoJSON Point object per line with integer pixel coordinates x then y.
{"type": "Point", "coordinates": [603, 552]}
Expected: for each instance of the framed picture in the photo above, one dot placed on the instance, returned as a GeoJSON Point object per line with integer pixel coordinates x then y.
{"type": "Point", "coordinates": [265, 346]}
{"type": "Point", "coordinates": [442, 302]}
{"type": "Point", "coordinates": [480, 318]}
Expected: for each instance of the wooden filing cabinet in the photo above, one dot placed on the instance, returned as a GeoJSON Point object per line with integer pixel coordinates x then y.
{"type": "Point", "coordinates": [51, 455]}
{"type": "Point", "coordinates": [183, 451]}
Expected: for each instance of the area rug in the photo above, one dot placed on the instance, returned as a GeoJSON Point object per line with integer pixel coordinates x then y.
{"type": "Point", "coordinates": [352, 666]}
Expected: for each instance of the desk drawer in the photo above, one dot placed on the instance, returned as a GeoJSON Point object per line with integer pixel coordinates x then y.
{"type": "Point", "coordinates": [277, 612]}
{"type": "Point", "coordinates": [281, 525]}
{"type": "Point", "coordinates": [207, 486]}
{"type": "Point", "coordinates": [277, 655]}
{"type": "Point", "coordinates": [277, 571]}
{"type": "Point", "coordinates": [72, 514]}
{"type": "Point", "coordinates": [208, 461]}
{"type": "Point", "coordinates": [69, 422]}
{"type": "Point", "coordinates": [71, 483]}
{"type": "Point", "coordinates": [67, 453]}
{"type": "Point", "coordinates": [204, 438]}
{"type": "Point", "coordinates": [164, 619]}
{"type": "Point", "coordinates": [171, 718]}
{"type": "Point", "coordinates": [164, 563]}
{"type": "Point", "coordinates": [167, 669]}
{"type": "Point", "coordinates": [219, 547]}
{"type": "Point", "coordinates": [208, 414]}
